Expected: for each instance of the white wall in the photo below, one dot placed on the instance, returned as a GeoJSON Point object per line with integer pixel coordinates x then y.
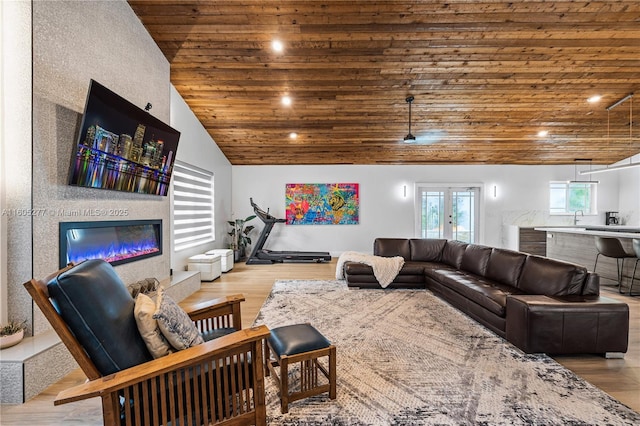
{"type": "Point", "coordinates": [198, 148]}
{"type": "Point", "coordinates": [15, 150]}
{"type": "Point", "coordinates": [629, 192]}
{"type": "Point", "coordinates": [522, 200]}
{"type": "Point", "coordinates": [68, 51]}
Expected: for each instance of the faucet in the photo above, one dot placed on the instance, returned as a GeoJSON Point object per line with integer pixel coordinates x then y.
{"type": "Point", "coordinates": [575, 216]}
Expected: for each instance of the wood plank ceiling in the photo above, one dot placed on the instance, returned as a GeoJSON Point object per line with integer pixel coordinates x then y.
{"type": "Point", "coordinates": [486, 77]}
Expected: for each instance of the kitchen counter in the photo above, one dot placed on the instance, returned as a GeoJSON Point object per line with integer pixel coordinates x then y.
{"type": "Point", "coordinates": [616, 231]}
{"type": "Point", "coordinates": [576, 244]}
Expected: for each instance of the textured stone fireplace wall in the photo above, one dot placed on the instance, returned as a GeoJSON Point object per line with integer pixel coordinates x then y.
{"type": "Point", "coordinates": [74, 42]}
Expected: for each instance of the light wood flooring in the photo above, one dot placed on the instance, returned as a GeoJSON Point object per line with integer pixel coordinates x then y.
{"type": "Point", "coordinates": [618, 377]}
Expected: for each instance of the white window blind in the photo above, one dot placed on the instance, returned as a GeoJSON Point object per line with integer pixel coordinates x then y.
{"type": "Point", "coordinates": [193, 221]}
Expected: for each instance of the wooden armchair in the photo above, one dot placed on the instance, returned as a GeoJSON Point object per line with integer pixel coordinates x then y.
{"type": "Point", "coordinates": [220, 381]}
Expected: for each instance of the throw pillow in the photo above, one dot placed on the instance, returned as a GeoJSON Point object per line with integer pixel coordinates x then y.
{"type": "Point", "coordinates": [146, 286]}
{"type": "Point", "coordinates": [143, 311]}
{"type": "Point", "coordinates": [175, 323]}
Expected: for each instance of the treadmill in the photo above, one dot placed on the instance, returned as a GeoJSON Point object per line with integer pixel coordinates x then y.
{"type": "Point", "coordinates": [260, 256]}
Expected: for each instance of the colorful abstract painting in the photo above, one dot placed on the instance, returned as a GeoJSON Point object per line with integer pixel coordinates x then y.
{"type": "Point", "coordinates": [322, 203]}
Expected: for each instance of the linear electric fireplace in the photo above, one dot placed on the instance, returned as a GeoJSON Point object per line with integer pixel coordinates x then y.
{"type": "Point", "coordinates": [117, 242]}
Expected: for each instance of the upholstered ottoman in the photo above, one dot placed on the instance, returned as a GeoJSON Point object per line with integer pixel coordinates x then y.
{"type": "Point", "coordinates": [207, 264]}
{"type": "Point", "coordinates": [301, 343]}
{"type": "Point", "coordinates": [226, 258]}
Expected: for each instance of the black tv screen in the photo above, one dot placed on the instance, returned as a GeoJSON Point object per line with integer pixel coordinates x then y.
{"type": "Point", "coordinates": [122, 147]}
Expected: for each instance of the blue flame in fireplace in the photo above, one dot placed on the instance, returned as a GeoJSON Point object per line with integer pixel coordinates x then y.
{"type": "Point", "coordinates": [115, 244]}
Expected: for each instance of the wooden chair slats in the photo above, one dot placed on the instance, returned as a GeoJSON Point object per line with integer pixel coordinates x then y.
{"type": "Point", "coordinates": [228, 374]}
{"type": "Point", "coordinates": [227, 313]}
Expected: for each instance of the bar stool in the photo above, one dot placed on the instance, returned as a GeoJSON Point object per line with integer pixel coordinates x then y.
{"type": "Point", "coordinates": [612, 247]}
{"type": "Point", "coordinates": [636, 248]}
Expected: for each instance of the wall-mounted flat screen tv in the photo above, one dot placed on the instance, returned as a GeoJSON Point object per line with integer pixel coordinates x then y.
{"type": "Point", "coordinates": [122, 147]}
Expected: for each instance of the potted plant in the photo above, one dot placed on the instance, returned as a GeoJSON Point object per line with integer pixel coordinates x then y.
{"type": "Point", "coordinates": [240, 236]}
{"type": "Point", "coordinates": [12, 333]}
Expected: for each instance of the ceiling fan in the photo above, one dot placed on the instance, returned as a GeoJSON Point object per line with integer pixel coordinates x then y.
{"type": "Point", "coordinates": [430, 137]}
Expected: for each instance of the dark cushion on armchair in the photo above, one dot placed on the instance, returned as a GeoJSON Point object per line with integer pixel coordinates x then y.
{"type": "Point", "coordinates": [296, 339]}
{"type": "Point", "coordinates": [98, 308]}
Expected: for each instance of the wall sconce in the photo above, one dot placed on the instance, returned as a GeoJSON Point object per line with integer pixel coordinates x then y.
{"type": "Point", "coordinates": [405, 191]}
{"type": "Point", "coordinates": [495, 191]}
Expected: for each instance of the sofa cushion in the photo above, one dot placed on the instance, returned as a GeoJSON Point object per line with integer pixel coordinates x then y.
{"type": "Point", "coordinates": [551, 277]}
{"type": "Point", "coordinates": [357, 268]}
{"type": "Point", "coordinates": [98, 309]}
{"type": "Point", "coordinates": [412, 268]}
{"type": "Point", "coordinates": [360, 275]}
{"type": "Point", "coordinates": [390, 247]}
{"type": "Point", "coordinates": [434, 269]}
{"type": "Point", "coordinates": [296, 339]}
{"type": "Point", "coordinates": [426, 249]}
{"type": "Point", "coordinates": [491, 296]}
{"type": "Point", "coordinates": [505, 266]}
{"type": "Point", "coordinates": [452, 253]}
{"type": "Point", "coordinates": [475, 259]}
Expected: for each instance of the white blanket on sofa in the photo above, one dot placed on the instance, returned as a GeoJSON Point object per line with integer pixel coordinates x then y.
{"type": "Point", "coordinates": [385, 269]}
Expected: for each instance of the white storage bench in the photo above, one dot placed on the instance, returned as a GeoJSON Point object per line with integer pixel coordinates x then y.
{"type": "Point", "coordinates": [207, 264]}
{"type": "Point", "coordinates": [226, 258]}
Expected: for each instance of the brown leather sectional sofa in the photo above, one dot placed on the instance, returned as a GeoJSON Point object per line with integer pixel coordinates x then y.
{"type": "Point", "coordinates": [537, 303]}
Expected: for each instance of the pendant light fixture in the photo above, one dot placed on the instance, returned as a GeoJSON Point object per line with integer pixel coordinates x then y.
{"type": "Point", "coordinates": [631, 164]}
{"type": "Point", "coordinates": [575, 172]}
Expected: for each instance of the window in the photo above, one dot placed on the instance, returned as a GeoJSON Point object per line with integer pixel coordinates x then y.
{"type": "Point", "coordinates": [193, 222]}
{"type": "Point", "coordinates": [569, 197]}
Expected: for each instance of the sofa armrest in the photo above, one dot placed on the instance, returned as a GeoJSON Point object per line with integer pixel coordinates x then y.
{"type": "Point", "coordinates": [568, 324]}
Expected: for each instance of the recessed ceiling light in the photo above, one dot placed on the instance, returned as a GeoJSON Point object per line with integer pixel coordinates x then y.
{"type": "Point", "coordinates": [286, 101]}
{"type": "Point", "coordinates": [293, 135]}
{"type": "Point", "coordinates": [593, 99]}
{"type": "Point", "coordinates": [543, 133]}
{"type": "Point", "coordinates": [277, 46]}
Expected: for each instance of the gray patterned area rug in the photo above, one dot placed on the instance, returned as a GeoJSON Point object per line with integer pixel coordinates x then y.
{"type": "Point", "coordinates": [405, 357]}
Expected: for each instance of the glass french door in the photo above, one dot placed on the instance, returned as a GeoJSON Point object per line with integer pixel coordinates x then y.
{"type": "Point", "coordinates": [448, 212]}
